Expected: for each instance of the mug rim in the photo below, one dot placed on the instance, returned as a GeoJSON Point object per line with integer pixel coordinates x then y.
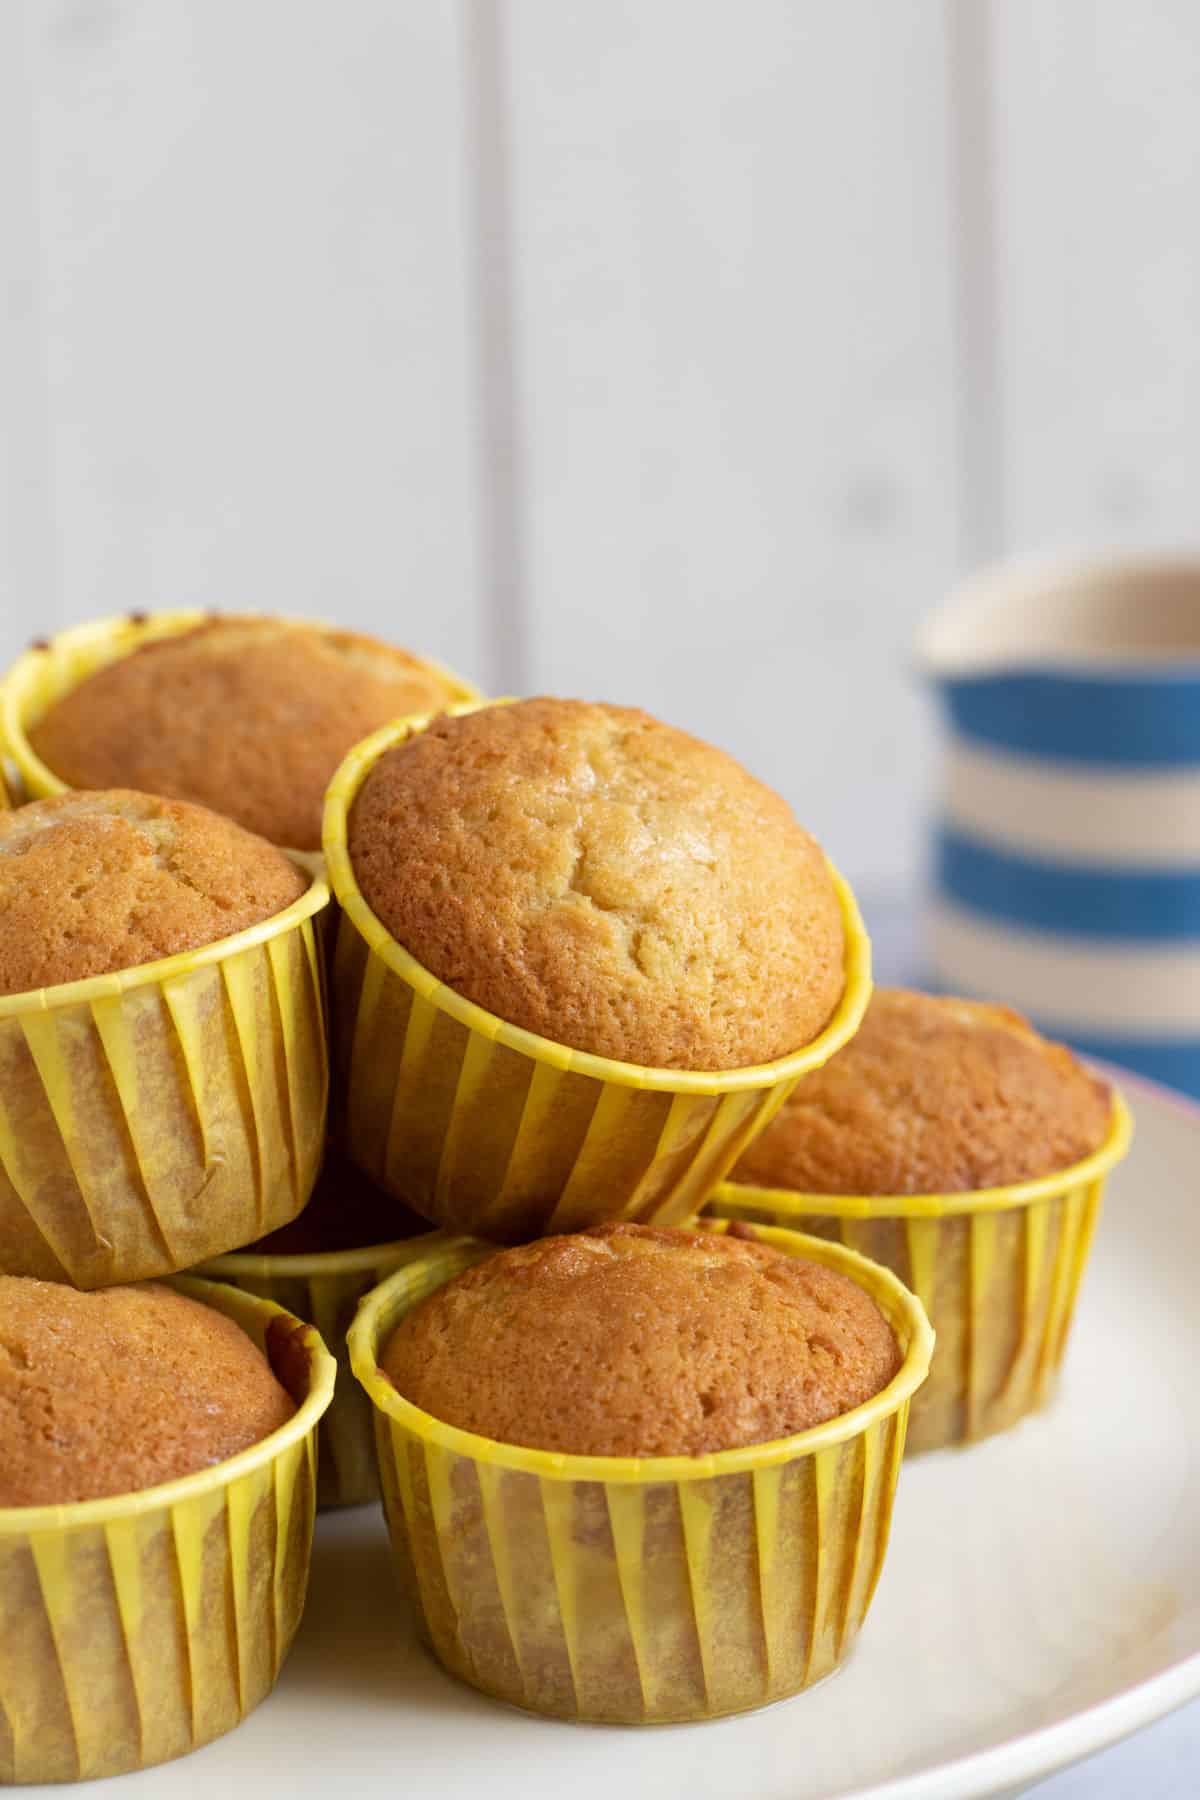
{"type": "Point", "coordinates": [939, 645]}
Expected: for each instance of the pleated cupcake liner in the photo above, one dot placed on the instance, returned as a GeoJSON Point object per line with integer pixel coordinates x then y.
{"type": "Point", "coordinates": [52, 667]}
{"type": "Point", "coordinates": [489, 1129]}
{"type": "Point", "coordinates": [136, 1628]}
{"type": "Point", "coordinates": [639, 1590]}
{"type": "Point", "coordinates": [998, 1272]}
{"type": "Point", "coordinates": [325, 1288]}
{"type": "Point", "coordinates": [160, 1115]}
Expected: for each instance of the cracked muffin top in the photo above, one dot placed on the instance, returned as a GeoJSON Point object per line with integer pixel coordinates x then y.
{"type": "Point", "coordinates": [604, 880]}
{"type": "Point", "coordinates": [248, 715]}
{"type": "Point", "coordinates": [109, 1392]}
{"type": "Point", "coordinates": [92, 883]}
{"type": "Point", "coordinates": [932, 1096]}
{"type": "Point", "coordinates": [634, 1340]}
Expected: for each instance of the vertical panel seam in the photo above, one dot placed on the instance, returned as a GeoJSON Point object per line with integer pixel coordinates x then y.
{"type": "Point", "coordinates": [499, 440]}
{"type": "Point", "coordinates": [971, 101]}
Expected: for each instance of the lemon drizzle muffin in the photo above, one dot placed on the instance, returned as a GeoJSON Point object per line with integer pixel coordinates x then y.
{"type": "Point", "coordinates": [163, 1071]}
{"type": "Point", "coordinates": [631, 1340]}
{"type": "Point", "coordinates": [142, 1623]}
{"type": "Point", "coordinates": [114, 1391]}
{"type": "Point", "coordinates": [640, 1589]}
{"type": "Point", "coordinates": [954, 1145]}
{"type": "Point", "coordinates": [603, 880]}
{"type": "Point", "coordinates": [92, 883]}
{"type": "Point", "coordinates": [248, 715]}
{"type": "Point", "coordinates": [933, 1096]}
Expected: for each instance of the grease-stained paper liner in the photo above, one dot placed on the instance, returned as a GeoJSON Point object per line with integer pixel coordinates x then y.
{"type": "Point", "coordinates": [325, 1287]}
{"type": "Point", "coordinates": [134, 1629]}
{"type": "Point", "coordinates": [486, 1128]}
{"type": "Point", "coordinates": [639, 1590]}
{"type": "Point", "coordinates": [998, 1272]}
{"type": "Point", "coordinates": [163, 1114]}
{"type": "Point", "coordinates": [53, 666]}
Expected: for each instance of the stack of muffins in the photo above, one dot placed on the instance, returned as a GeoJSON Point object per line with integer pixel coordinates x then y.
{"type": "Point", "coordinates": [637, 1465]}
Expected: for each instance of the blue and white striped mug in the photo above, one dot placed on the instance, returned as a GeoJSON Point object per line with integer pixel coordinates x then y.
{"type": "Point", "coordinates": [1067, 852]}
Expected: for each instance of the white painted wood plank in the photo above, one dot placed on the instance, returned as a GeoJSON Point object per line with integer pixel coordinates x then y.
{"type": "Point", "coordinates": [734, 362]}
{"type": "Point", "coordinates": [502, 522]}
{"type": "Point", "coordinates": [28, 584]}
{"type": "Point", "coordinates": [261, 386]}
{"type": "Point", "coordinates": [1097, 138]}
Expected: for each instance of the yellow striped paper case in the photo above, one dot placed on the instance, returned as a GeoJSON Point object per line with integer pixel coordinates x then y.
{"type": "Point", "coordinates": [998, 1271]}
{"type": "Point", "coordinates": [489, 1129]}
{"type": "Point", "coordinates": [325, 1288]}
{"type": "Point", "coordinates": [633, 1590]}
{"type": "Point", "coordinates": [136, 1628]}
{"type": "Point", "coordinates": [163, 1114]}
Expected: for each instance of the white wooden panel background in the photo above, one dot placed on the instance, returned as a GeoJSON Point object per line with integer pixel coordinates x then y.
{"type": "Point", "coordinates": [1097, 181]}
{"type": "Point", "coordinates": [250, 373]}
{"type": "Point", "coordinates": [675, 352]}
{"type": "Point", "coordinates": [739, 439]}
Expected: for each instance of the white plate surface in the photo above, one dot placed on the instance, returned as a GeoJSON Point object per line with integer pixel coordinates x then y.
{"type": "Point", "coordinates": [1041, 1599]}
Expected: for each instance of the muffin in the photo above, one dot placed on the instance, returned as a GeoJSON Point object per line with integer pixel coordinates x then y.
{"type": "Point", "coordinates": [156, 1508]}
{"type": "Point", "coordinates": [548, 1345]}
{"type": "Point", "coordinates": [952, 1142]}
{"type": "Point", "coordinates": [636, 1474]}
{"type": "Point", "coordinates": [598, 878]}
{"type": "Point", "coordinates": [162, 1050]}
{"type": "Point", "coordinates": [319, 1265]}
{"type": "Point", "coordinates": [641, 942]}
{"type": "Point", "coordinates": [94, 883]}
{"type": "Point", "coordinates": [116, 1391]}
{"type": "Point", "coordinates": [933, 1096]}
{"type": "Point", "coordinates": [247, 715]}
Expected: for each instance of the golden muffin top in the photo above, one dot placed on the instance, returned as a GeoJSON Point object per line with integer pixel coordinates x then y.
{"type": "Point", "coordinates": [932, 1096]}
{"type": "Point", "coordinates": [631, 1340]}
{"type": "Point", "coordinates": [248, 715]}
{"type": "Point", "coordinates": [95, 882]}
{"type": "Point", "coordinates": [604, 880]}
{"type": "Point", "coordinates": [112, 1391]}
